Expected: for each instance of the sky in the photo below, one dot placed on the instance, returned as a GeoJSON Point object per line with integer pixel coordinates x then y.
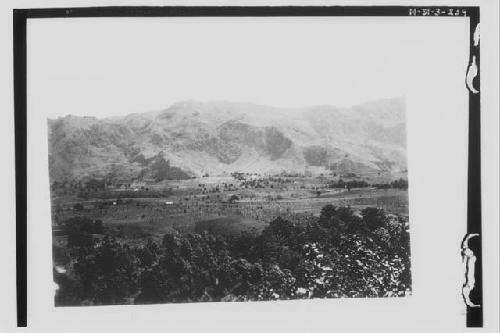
{"type": "Point", "coordinates": [115, 66]}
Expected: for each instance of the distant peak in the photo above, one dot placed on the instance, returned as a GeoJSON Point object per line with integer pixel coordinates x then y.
{"type": "Point", "coordinates": [186, 104]}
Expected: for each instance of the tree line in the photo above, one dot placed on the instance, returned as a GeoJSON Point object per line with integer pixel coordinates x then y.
{"type": "Point", "coordinates": [398, 184]}
{"type": "Point", "coordinates": [341, 254]}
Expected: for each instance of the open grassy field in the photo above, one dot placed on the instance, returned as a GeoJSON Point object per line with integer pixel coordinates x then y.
{"type": "Point", "coordinates": [218, 204]}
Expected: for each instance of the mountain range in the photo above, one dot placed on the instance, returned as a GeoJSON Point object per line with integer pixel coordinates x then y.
{"type": "Point", "coordinates": [193, 138]}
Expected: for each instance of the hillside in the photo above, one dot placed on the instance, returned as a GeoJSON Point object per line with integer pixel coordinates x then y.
{"type": "Point", "coordinates": [193, 138]}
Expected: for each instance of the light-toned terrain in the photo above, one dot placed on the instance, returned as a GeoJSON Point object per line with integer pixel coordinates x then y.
{"type": "Point", "coordinates": [222, 137]}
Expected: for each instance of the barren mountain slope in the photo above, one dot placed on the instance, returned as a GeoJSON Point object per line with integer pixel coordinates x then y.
{"type": "Point", "coordinates": [215, 137]}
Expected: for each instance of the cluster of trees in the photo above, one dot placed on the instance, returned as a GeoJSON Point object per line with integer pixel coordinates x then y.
{"type": "Point", "coordinates": [80, 231]}
{"type": "Point", "coordinates": [157, 167]}
{"type": "Point", "coordinates": [348, 184]}
{"type": "Point", "coordinates": [264, 182]}
{"type": "Point", "coordinates": [254, 183]}
{"type": "Point", "coordinates": [161, 169]}
{"type": "Point", "coordinates": [398, 183]}
{"type": "Point", "coordinates": [341, 254]}
{"type": "Point", "coordinates": [78, 186]}
{"type": "Point", "coordinates": [224, 187]}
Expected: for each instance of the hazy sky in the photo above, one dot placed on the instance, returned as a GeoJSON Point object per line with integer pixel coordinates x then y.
{"type": "Point", "coordinates": [115, 66]}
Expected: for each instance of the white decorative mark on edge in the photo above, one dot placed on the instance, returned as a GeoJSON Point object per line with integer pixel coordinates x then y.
{"type": "Point", "coordinates": [60, 269]}
{"type": "Point", "coordinates": [472, 70]}
{"type": "Point", "coordinates": [469, 260]}
{"type": "Point", "coordinates": [471, 74]}
{"type": "Point", "coordinates": [55, 288]}
{"type": "Point", "coordinates": [477, 33]}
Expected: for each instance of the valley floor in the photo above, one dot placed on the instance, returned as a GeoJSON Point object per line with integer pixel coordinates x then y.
{"type": "Point", "coordinates": [196, 200]}
{"type": "Point", "coordinates": [284, 230]}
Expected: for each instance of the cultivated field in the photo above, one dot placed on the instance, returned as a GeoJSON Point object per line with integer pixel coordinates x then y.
{"type": "Point", "coordinates": [226, 204]}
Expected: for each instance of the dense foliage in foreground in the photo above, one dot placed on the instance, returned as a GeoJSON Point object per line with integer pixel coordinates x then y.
{"type": "Point", "coordinates": [341, 254]}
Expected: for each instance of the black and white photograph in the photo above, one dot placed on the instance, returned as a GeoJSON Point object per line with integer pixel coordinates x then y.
{"type": "Point", "coordinates": [211, 199]}
{"type": "Point", "coordinates": [251, 168]}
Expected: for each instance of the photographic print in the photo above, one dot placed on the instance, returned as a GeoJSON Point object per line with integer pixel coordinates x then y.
{"type": "Point", "coordinates": [292, 166]}
{"type": "Point", "coordinates": [228, 160]}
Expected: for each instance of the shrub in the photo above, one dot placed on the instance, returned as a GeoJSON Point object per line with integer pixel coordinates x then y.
{"type": "Point", "coordinates": [374, 217]}
{"type": "Point", "coordinates": [107, 273]}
